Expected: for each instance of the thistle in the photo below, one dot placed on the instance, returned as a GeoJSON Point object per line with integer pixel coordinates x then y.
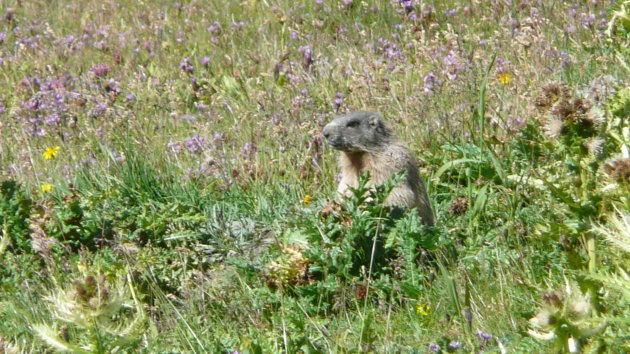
{"type": "Point", "coordinates": [566, 319]}
{"type": "Point", "coordinates": [289, 268]}
{"type": "Point", "coordinates": [93, 307]}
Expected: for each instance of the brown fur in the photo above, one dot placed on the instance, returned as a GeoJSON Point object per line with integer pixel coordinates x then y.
{"type": "Point", "coordinates": [368, 145]}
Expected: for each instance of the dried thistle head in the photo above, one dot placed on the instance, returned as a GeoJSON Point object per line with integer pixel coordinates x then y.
{"type": "Point", "coordinates": [594, 116]}
{"type": "Point", "coordinates": [459, 206]}
{"type": "Point", "coordinates": [550, 95]}
{"type": "Point", "coordinates": [619, 169]}
{"type": "Point", "coordinates": [570, 109]}
{"type": "Point", "coordinates": [554, 127]}
{"type": "Point", "coordinates": [594, 146]}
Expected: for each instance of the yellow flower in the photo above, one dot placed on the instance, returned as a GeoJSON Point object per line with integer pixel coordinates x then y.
{"type": "Point", "coordinates": [505, 78]}
{"type": "Point", "coordinates": [422, 309]}
{"type": "Point", "coordinates": [307, 199]}
{"type": "Point", "coordinates": [47, 187]}
{"type": "Point", "coordinates": [51, 152]}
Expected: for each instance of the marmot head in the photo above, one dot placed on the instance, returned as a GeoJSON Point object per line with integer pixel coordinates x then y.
{"type": "Point", "coordinates": [357, 131]}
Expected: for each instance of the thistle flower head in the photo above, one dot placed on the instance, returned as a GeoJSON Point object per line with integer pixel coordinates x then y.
{"type": "Point", "coordinates": [618, 169]}
{"type": "Point", "coordinates": [595, 146]}
{"type": "Point", "coordinates": [288, 268]}
{"type": "Point", "coordinates": [554, 127]}
{"type": "Point", "coordinates": [565, 317]}
{"type": "Point", "coordinates": [550, 95]}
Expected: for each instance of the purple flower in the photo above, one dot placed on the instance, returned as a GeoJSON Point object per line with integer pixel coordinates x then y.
{"type": "Point", "coordinates": [205, 61]}
{"type": "Point", "coordinates": [450, 13]}
{"type": "Point", "coordinates": [52, 119]}
{"type": "Point", "coordinates": [430, 82]}
{"type": "Point", "coordinates": [434, 347]}
{"type": "Point", "coordinates": [215, 27]}
{"type": "Point", "coordinates": [201, 107]}
{"type": "Point", "coordinates": [174, 147]}
{"type": "Point", "coordinates": [484, 336]}
{"type": "Point", "coordinates": [238, 24]}
{"type": "Point", "coordinates": [100, 70]}
{"type": "Point", "coordinates": [188, 117]}
{"type": "Point", "coordinates": [454, 345]}
{"type": "Point", "coordinates": [3, 36]}
{"type": "Point", "coordinates": [33, 104]}
{"type": "Point", "coordinates": [408, 5]}
{"type": "Point", "coordinates": [195, 144]}
{"type": "Point", "coordinates": [111, 86]}
{"type": "Point", "coordinates": [248, 149]}
{"type": "Point", "coordinates": [186, 66]}
{"type": "Point", "coordinates": [338, 100]}
{"type": "Point", "coordinates": [307, 56]}
{"type": "Point", "coordinates": [587, 20]}
{"type": "Point", "coordinates": [99, 110]}
{"type": "Point", "coordinates": [130, 97]}
{"type": "Point", "coordinates": [347, 2]}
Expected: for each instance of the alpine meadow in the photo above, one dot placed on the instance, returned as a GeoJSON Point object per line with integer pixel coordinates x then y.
{"type": "Point", "coordinates": [165, 186]}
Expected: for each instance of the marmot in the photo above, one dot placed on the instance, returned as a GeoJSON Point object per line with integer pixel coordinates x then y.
{"type": "Point", "coordinates": [368, 144]}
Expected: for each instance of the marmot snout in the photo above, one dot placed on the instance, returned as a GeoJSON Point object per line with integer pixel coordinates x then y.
{"type": "Point", "coordinates": [368, 145]}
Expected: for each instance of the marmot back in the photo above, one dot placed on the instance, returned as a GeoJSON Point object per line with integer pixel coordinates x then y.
{"type": "Point", "coordinates": [367, 144]}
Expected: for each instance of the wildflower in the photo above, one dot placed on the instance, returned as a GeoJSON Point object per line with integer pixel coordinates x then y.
{"type": "Point", "coordinates": [47, 187]}
{"type": "Point", "coordinates": [307, 56]}
{"type": "Point", "coordinates": [195, 144]}
{"type": "Point", "coordinates": [249, 148]}
{"type": "Point", "coordinates": [308, 199]}
{"type": "Point", "coordinates": [186, 66]}
{"type": "Point", "coordinates": [205, 61]}
{"type": "Point", "coordinates": [215, 27]}
{"type": "Point", "coordinates": [505, 78]}
{"type": "Point", "coordinates": [430, 82]}
{"type": "Point", "coordinates": [564, 318]}
{"type": "Point", "coordinates": [454, 345]}
{"type": "Point", "coordinates": [290, 267]}
{"type": "Point", "coordinates": [51, 152]}
{"type": "Point", "coordinates": [422, 309]}
{"type": "Point", "coordinates": [484, 336]}
{"type": "Point", "coordinates": [338, 99]}
{"type": "Point", "coordinates": [434, 347]}
{"type": "Point", "coordinates": [174, 147]}
{"type": "Point", "coordinates": [100, 70]}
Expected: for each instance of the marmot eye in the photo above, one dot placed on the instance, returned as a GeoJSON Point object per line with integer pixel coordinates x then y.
{"type": "Point", "coordinates": [353, 123]}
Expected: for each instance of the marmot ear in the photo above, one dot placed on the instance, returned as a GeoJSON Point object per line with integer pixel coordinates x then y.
{"type": "Point", "coordinates": [374, 121]}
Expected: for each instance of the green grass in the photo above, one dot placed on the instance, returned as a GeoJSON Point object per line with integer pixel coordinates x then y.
{"type": "Point", "coordinates": [188, 188]}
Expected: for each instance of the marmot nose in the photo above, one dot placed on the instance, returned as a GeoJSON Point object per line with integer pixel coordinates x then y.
{"type": "Point", "coordinates": [325, 133]}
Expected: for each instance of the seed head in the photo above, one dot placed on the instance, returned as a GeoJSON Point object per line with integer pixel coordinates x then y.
{"type": "Point", "coordinates": [618, 169]}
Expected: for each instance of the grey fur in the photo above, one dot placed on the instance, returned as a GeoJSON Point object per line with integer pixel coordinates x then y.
{"type": "Point", "coordinates": [368, 144]}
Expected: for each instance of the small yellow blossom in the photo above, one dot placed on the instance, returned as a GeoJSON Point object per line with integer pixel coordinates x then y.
{"type": "Point", "coordinates": [47, 187]}
{"type": "Point", "coordinates": [308, 199]}
{"type": "Point", "coordinates": [51, 152]}
{"type": "Point", "coordinates": [505, 78]}
{"type": "Point", "coordinates": [422, 309]}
